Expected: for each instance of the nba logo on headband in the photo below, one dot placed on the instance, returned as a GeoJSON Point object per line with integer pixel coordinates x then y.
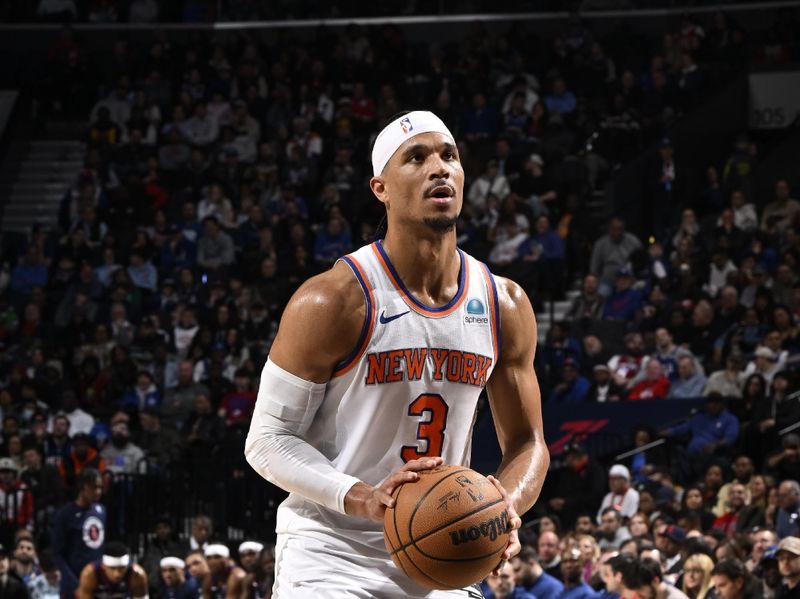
{"type": "Point", "coordinates": [406, 126]}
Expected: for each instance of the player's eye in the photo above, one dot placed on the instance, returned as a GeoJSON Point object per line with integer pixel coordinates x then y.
{"type": "Point", "coordinates": [449, 155]}
{"type": "Point", "coordinates": [417, 157]}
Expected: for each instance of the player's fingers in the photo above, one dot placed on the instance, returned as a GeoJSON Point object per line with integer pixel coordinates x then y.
{"type": "Point", "coordinates": [513, 548]}
{"type": "Point", "coordinates": [422, 464]}
{"type": "Point", "coordinates": [499, 568]}
{"type": "Point", "coordinates": [397, 479]}
{"type": "Point", "coordinates": [384, 498]}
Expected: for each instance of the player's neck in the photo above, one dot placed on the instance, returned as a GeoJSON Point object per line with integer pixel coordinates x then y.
{"type": "Point", "coordinates": [426, 265]}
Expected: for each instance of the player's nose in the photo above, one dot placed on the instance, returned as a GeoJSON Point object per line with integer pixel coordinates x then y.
{"type": "Point", "coordinates": [438, 168]}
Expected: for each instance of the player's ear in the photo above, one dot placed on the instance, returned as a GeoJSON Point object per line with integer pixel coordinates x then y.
{"type": "Point", "coordinates": [378, 187]}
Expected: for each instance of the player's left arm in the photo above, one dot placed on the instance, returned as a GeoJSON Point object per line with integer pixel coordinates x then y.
{"type": "Point", "coordinates": [139, 583]}
{"type": "Point", "coordinates": [515, 400]}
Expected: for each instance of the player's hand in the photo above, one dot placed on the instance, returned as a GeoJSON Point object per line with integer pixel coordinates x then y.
{"type": "Point", "coordinates": [514, 522]}
{"type": "Point", "coordinates": [368, 502]}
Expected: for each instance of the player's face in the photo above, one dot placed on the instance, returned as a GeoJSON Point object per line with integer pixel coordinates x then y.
{"type": "Point", "coordinates": [114, 575]}
{"type": "Point", "coordinates": [170, 576]}
{"type": "Point", "coordinates": [198, 567]}
{"type": "Point", "coordinates": [248, 560]}
{"type": "Point", "coordinates": [423, 182]}
{"type": "Point", "coordinates": [216, 563]}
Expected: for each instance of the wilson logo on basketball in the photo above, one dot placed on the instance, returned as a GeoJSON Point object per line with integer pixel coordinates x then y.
{"type": "Point", "coordinates": [491, 528]}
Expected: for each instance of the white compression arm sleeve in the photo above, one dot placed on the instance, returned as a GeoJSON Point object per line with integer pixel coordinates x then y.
{"type": "Point", "coordinates": [275, 446]}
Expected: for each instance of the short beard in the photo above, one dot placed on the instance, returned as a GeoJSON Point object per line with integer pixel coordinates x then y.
{"type": "Point", "coordinates": [441, 225]}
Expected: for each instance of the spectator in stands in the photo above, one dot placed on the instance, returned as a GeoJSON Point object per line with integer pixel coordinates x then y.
{"type": "Point", "coordinates": [670, 539]}
{"type": "Point", "coordinates": [573, 387]}
{"type": "Point", "coordinates": [144, 395]}
{"type": "Point", "coordinates": [80, 421]}
{"type": "Point", "coordinates": [44, 481]}
{"type": "Point", "coordinates": [549, 554]}
{"type": "Point", "coordinates": [785, 462]}
{"type": "Point", "coordinates": [789, 566]}
{"type": "Point", "coordinates": [611, 253]}
{"type": "Point", "coordinates": [763, 540]}
{"type": "Point", "coordinates": [121, 456]}
{"type": "Point", "coordinates": [572, 575]}
{"type": "Point", "coordinates": [215, 250]}
{"type": "Point", "coordinates": [578, 488]}
{"type": "Point", "coordinates": [161, 446]}
{"type": "Point", "coordinates": [625, 578]}
{"type": "Point", "coordinates": [490, 183]}
{"type": "Point", "coordinates": [690, 383]}
{"type": "Point", "coordinates": [621, 496]}
{"type": "Point", "coordinates": [731, 580]}
{"type": "Point", "coordinates": [46, 584]}
{"type": "Point", "coordinates": [611, 532]}
{"type": "Point", "coordinates": [743, 470]}
{"type": "Point", "coordinates": [778, 214]}
{"type": "Point", "coordinates": [726, 382]}
{"type": "Point", "coordinates": [625, 303]}
{"type": "Point", "coordinates": [697, 576]}
{"type": "Point", "coordinates": [713, 430]}
{"type": "Point", "coordinates": [530, 577]}
{"type": "Point", "coordinates": [203, 429]}
{"type": "Point", "coordinates": [654, 385]}
{"type": "Point", "coordinates": [16, 500]}
{"type": "Point", "coordinates": [79, 529]}
{"type": "Point", "coordinates": [603, 387]}
{"type": "Point", "coordinates": [625, 366]}
{"type": "Point", "coordinates": [504, 586]}
{"type": "Point", "coordinates": [727, 522]}
{"type": "Point", "coordinates": [787, 519]}
{"type": "Point", "coordinates": [24, 564]}
{"type": "Point", "coordinates": [81, 456]}
{"type": "Point", "coordinates": [589, 304]}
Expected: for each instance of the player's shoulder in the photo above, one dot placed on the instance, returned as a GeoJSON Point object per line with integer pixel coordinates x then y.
{"type": "Point", "coordinates": [513, 299]}
{"type": "Point", "coordinates": [517, 320]}
{"type": "Point", "coordinates": [335, 291]}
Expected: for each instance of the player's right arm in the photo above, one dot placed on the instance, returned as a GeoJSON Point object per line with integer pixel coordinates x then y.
{"type": "Point", "coordinates": [320, 327]}
{"type": "Point", "coordinates": [87, 584]}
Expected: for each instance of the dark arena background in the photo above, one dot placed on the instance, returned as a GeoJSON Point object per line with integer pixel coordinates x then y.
{"type": "Point", "coordinates": [172, 171]}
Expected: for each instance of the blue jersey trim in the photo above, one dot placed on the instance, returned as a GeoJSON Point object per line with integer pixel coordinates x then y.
{"type": "Point", "coordinates": [367, 319]}
{"type": "Point", "coordinates": [398, 281]}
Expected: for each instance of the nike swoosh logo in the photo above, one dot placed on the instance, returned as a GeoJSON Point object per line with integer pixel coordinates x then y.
{"type": "Point", "coordinates": [384, 319]}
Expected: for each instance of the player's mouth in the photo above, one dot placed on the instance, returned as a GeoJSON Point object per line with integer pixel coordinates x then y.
{"type": "Point", "coordinates": [441, 194]}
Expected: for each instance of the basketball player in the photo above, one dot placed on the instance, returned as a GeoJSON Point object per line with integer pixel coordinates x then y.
{"type": "Point", "coordinates": [248, 558]}
{"type": "Point", "coordinates": [222, 570]}
{"type": "Point", "coordinates": [113, 577]}
{"type": "Point", "coordinates": [375, 374]}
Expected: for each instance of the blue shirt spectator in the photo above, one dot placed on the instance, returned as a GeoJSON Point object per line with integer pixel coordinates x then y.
{"type": "Point", "coordinates": [481, 121]}
{"type": "Point", "coordinates": [714, 427]}
{"type": "Point", "coordinates": [332, 242]}
{"type": "Point", "coordinates": [178, 252]}
{"type": "Point", "coordinates": [546, 587]}
{"type": "Point", "coordinates": [561, 101]}
{"type": "Point", "coordinates": [142, 273]}
{"type": "Point", "coordinates": [624, 302]}
{"type": "Point", "coordinates": [29, 273]}
{"type": "Point", "coordinates": [573, 387]}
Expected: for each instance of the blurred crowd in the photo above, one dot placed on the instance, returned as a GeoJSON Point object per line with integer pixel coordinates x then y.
{"type": "Point", "coordinates": [221, 173]}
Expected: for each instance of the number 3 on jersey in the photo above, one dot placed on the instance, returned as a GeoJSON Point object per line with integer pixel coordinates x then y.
{"type": "Point", "coordinates": [431, 407]}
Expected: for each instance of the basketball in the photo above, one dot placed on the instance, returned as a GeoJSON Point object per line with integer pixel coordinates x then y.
{"type": "Point", "coordinates": [448, 529]}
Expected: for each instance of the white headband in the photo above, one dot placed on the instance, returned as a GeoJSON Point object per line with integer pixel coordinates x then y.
{"type": "Point", "coordinates": [111, 561]}
{"type": "Point", "coordinates": [217, 550]}
{"type": "Point", "coordinates": [401, 129]}
{"type": "Point", "coordinates": [172, 562]}
{"type": "Point", "coordinates": [253, 546]}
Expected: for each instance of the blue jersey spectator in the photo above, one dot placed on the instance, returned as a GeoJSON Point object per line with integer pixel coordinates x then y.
{"type": "Point", "coordinates": [714, 428]}
{"type": "Point", "coordinates": [332, 242]}
{"type": "Point", "coordinates": [624, 303]}
{"type": "Point", "coordinates": [573, 387]}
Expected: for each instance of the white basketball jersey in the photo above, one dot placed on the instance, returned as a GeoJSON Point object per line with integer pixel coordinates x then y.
{"type": "Point", "coordinates": [408, 390]}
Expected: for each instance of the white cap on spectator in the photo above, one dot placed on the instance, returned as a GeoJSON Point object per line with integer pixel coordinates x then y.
{"type": "Point", "coordinates": [217, 550]}
{"type": "Point", "coordinates": [763, 351]}
{"type": "Point", "coordinates": [250, 546]}
{"type": "Point", "coordinates": [172, 562]}
{"type": "Point", "coordinates": [620, 470]}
